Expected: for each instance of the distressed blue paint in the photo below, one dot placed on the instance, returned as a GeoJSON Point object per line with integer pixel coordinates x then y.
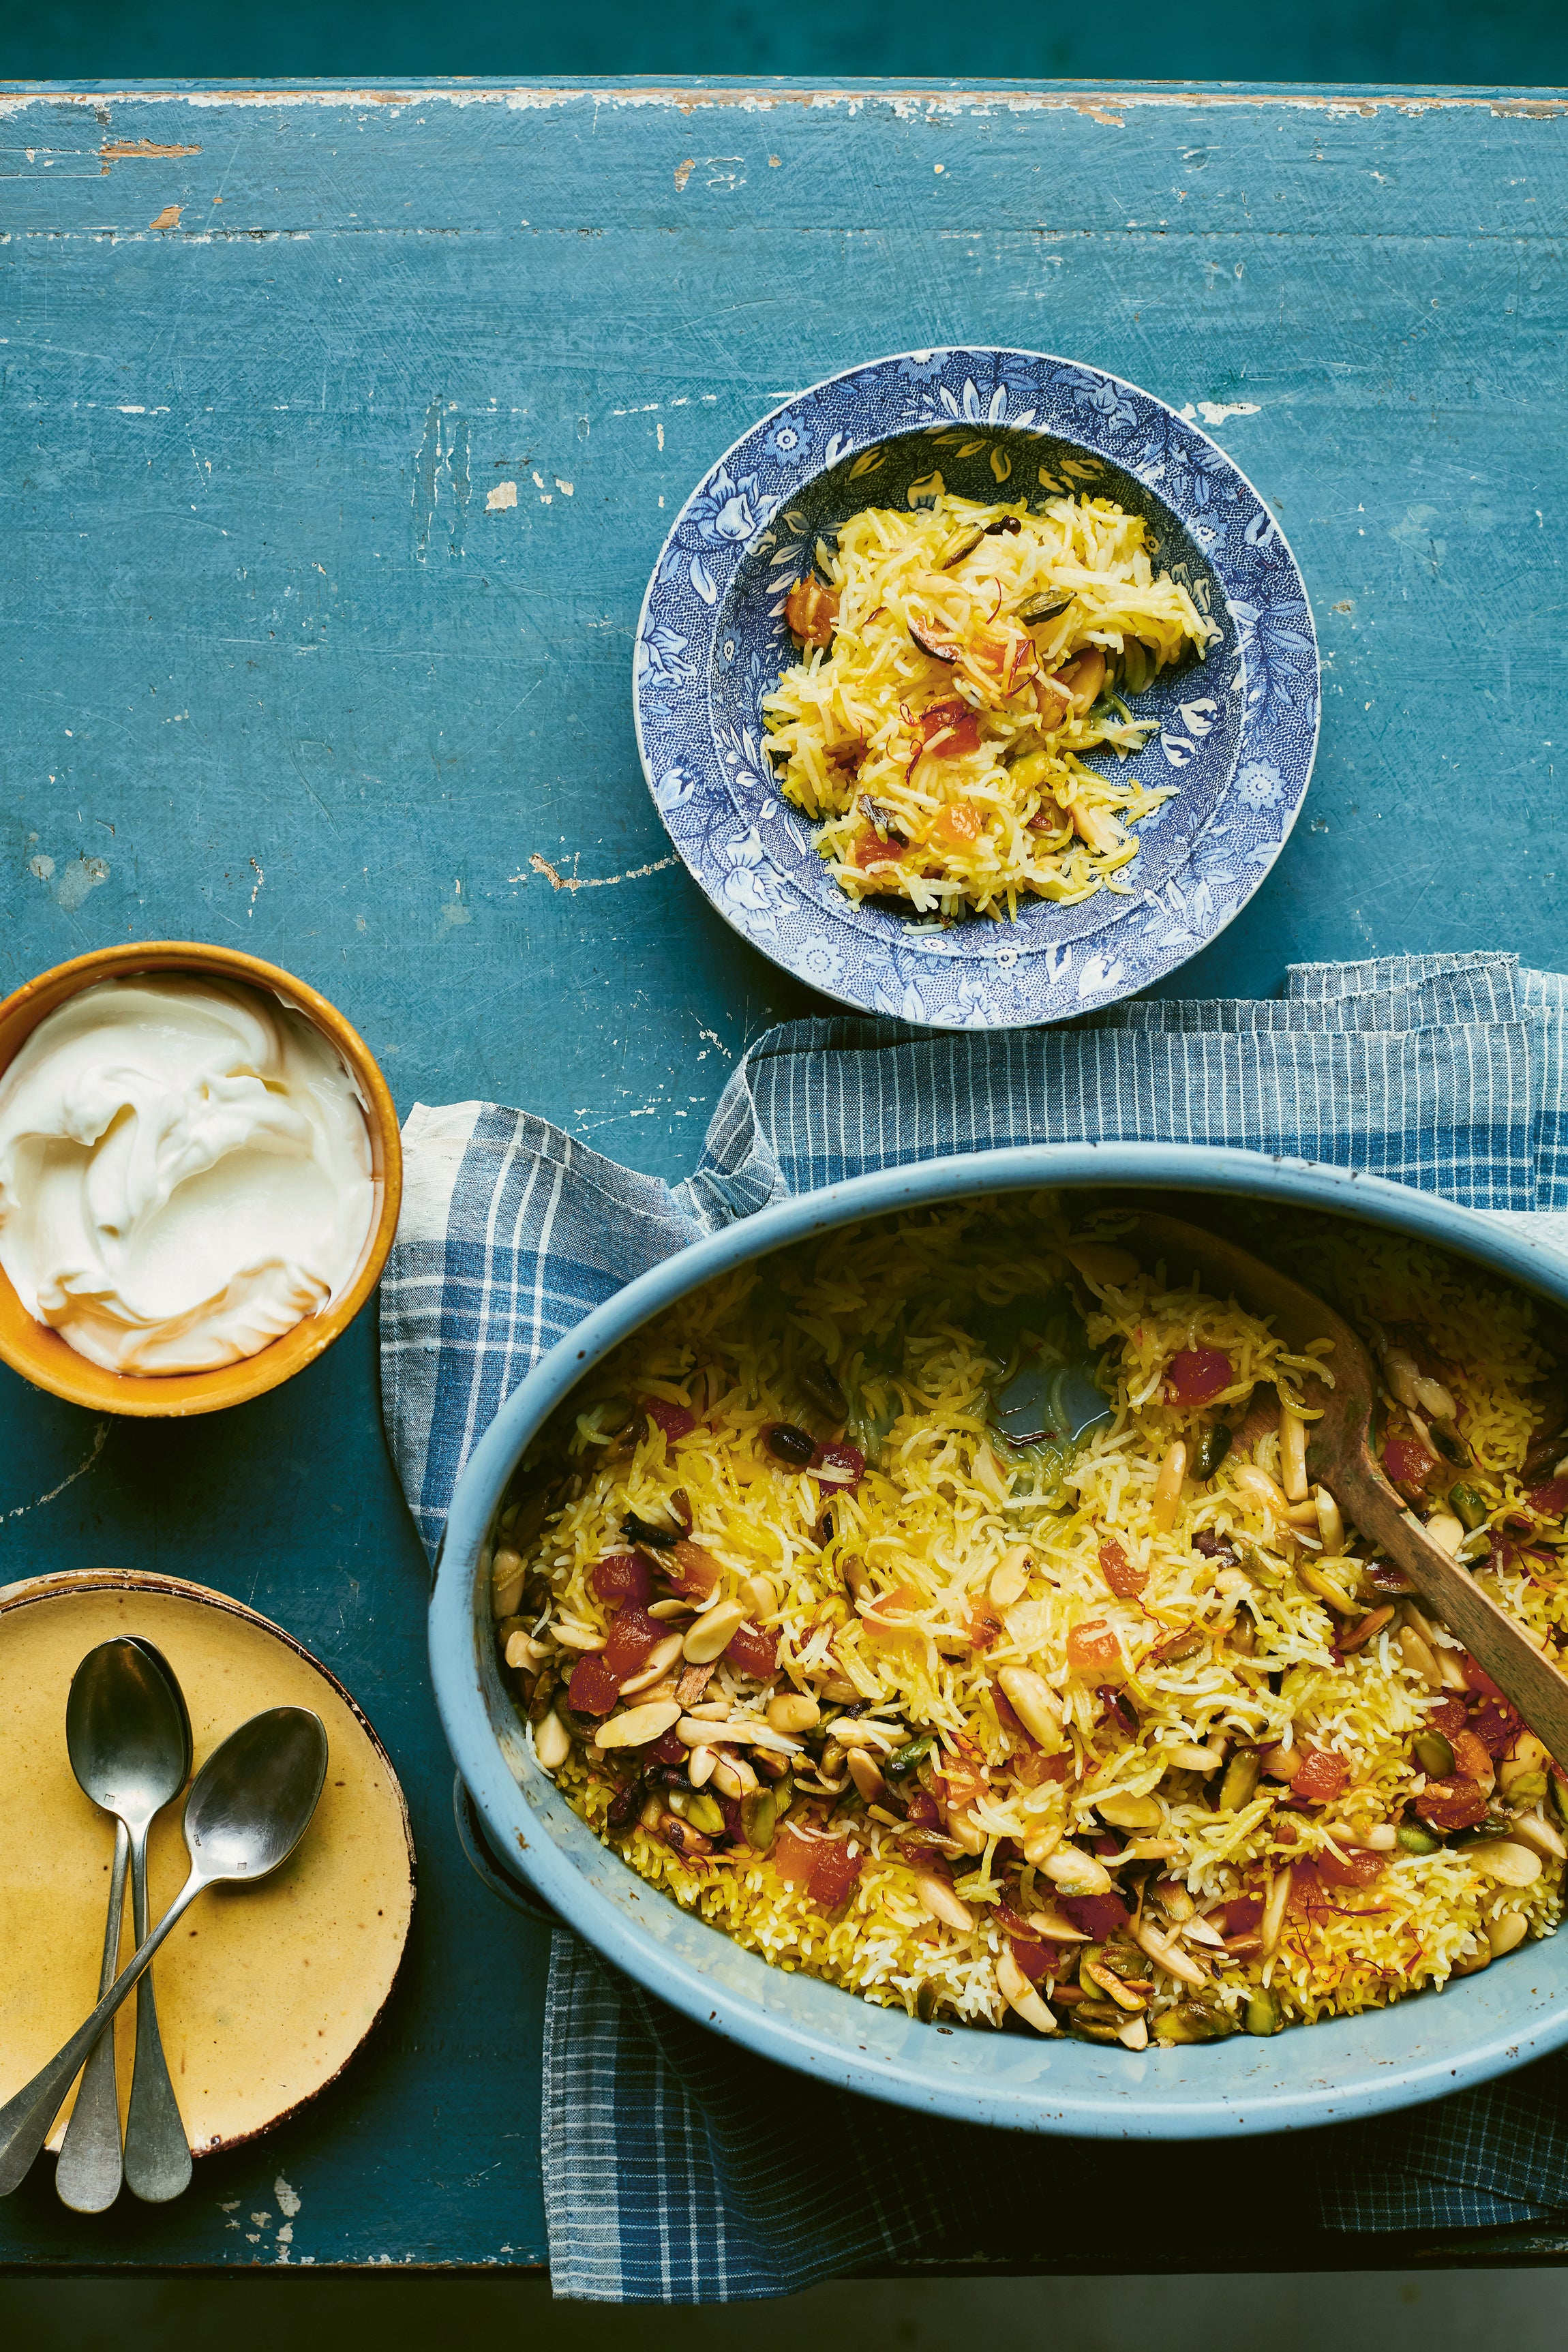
{"type": "Point", "coordinates": [252, 573]}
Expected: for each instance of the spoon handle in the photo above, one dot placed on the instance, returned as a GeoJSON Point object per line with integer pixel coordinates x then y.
{"type": "Point", "coordinates": [157, 2155]}
{"type": "Point", "coordinates": [25, 2119]}
{"type": "Point", "coordinates": [88, 2174]}
{"type": "Point", "coordinates": [1536, 1687]}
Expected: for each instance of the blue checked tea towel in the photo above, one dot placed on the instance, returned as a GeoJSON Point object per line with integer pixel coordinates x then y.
{"type": "Point", "coordinates": [678, 2168]}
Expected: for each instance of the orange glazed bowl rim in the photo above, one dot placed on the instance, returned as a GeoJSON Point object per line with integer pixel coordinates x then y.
{"type": "Point", "coordinates": [49, 1363]}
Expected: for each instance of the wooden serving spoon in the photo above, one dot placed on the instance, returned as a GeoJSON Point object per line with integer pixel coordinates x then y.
{"type": "Point", "coordinates": [1339, 1456]}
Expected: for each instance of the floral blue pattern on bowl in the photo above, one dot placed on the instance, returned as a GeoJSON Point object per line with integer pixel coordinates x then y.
{"type": "Point", "coordinates": [1237, 731]}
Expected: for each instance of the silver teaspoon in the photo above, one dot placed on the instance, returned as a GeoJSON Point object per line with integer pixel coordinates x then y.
{"type": "Point", "coordinates": [129, 1738]}
{"type": "Point", "coordinates": [157, 2153]}
{"type": "Point", "coordinates": [249, 1806]}
{"type": "Point", "coordinates": [89, 2172]}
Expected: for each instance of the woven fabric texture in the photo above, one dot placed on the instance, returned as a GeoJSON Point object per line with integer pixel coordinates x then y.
{"type": "Point", "coordinates": [678, 2168]}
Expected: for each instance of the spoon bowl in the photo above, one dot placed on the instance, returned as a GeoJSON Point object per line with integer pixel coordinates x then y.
{"type": "Point", "coordinates": [252, 1799]}
{"type": "Point", "coordinates": [126, 1732]}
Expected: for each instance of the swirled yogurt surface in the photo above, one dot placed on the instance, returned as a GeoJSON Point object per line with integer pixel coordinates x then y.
{"type": "Point", "coordinates": [185, 1172]}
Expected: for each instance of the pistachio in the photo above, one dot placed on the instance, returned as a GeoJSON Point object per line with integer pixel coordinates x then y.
{"type": "Point", "coordinates": [1239, 1785]}
{"type": "Point", "coordinates": [1433, 1755]}
{"type": "Point", "coordinates": [1468, 1504]}
{"type": "Point", "coordinates": [1096, 1972]}
{"type": "Point", "coordinates": [904, 1760]}
{"type": "Point", "coordinates": [1262, 2013]}
{"type": "Point", "coordinates": [1414, 1837]}
{"type": "Point", "coordinates": [758, 1819]}
{"type": "Point", "coordinates": [1212, 1448]}
{"type": "Point", "coordinates": [704, 1813]}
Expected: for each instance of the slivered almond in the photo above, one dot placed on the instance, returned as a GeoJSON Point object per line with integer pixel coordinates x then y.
{"type": "Point", "coordinates": [1020, 1995]}
{"type": "Point", "coordinates": [639, 1726]}
{"type": "Point", "coordinates": [938, 1901]}
{"type": "Point", "coordinates": [1168, 1955]}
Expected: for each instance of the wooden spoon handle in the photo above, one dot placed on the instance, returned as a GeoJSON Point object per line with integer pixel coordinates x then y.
{"type": "Point", "coordinates": [1536, 1687]}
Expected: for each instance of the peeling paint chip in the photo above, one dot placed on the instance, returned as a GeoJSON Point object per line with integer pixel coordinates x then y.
{"type": "Point", "coordinates": [168, 218]}
{"type": "Point", "coordinates": [126, 151]}
{"type": "Point", "coordinates": [503, 495]}
{"type": "Point", "coordinates": [683, 172]}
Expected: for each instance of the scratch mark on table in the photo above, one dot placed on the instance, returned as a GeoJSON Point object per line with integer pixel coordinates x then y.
{"type": "Point", "coordinates": [589, 882]}
{"type": "Point", "coordinates": [260, 879]}
{"type": "Point", "coordinates": [440, 475]}
{"type": "Point", "coordinates": [88, 1462]}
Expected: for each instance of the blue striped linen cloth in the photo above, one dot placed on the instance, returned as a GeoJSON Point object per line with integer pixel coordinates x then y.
{"type": "Point", "coordinates": [677, 2168]}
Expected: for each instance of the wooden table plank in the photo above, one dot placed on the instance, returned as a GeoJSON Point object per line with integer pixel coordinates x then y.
{"type": "Point", "coordinates": [279, 671]}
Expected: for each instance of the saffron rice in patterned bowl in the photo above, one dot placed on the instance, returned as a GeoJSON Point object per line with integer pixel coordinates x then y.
{"type": "Point", "coordinates": [939, 1607]}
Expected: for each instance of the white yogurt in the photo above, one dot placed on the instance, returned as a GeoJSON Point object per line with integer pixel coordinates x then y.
{"type": "Point", "coordinates": [185, 1172]}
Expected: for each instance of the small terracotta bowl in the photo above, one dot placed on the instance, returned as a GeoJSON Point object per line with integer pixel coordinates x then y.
{"type": "Point", "coordinates": [41, 1356]}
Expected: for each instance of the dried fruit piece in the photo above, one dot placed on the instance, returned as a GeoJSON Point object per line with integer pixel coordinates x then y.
{"type": "Point", "coordinates": [811, 610]}
{"type": "Point", "coordinates": [1452, 1803]}
{"type": "Point", "coordinates": [594, 1688]}
{"type": "Point", "coordinates": [1197, 1375]}
{"type": "Point", "coordinates": [1091, 1648]}
{"type": "Point", "coordinates": [1124, 1578]}
{"type": "Point", "coordinates": [623, 1576]}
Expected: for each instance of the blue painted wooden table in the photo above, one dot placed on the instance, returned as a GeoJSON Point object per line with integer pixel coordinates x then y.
{"type": "Point", "coordinates": [339, 431]}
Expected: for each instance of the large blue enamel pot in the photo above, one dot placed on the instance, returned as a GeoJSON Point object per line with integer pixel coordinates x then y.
{"type": "Point", "coordinates": [1419, 2049]}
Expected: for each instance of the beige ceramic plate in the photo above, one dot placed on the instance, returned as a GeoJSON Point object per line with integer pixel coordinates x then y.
{"type": "Point", "coordinates": [263, 1995]}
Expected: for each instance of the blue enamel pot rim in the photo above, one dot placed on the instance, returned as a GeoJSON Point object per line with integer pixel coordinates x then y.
{"type": "Point", "coordinates": [1419, 2049]}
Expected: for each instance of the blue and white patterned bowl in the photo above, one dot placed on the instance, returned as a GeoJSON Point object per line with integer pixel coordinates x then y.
{"type": "Point", "coordinates": [1237, 732]}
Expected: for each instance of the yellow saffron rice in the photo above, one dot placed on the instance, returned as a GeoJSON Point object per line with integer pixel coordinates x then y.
{"type": "Point", "coordinates": [963, 661]}
{"type": "Point", "coordinates": [1178, 1651]}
